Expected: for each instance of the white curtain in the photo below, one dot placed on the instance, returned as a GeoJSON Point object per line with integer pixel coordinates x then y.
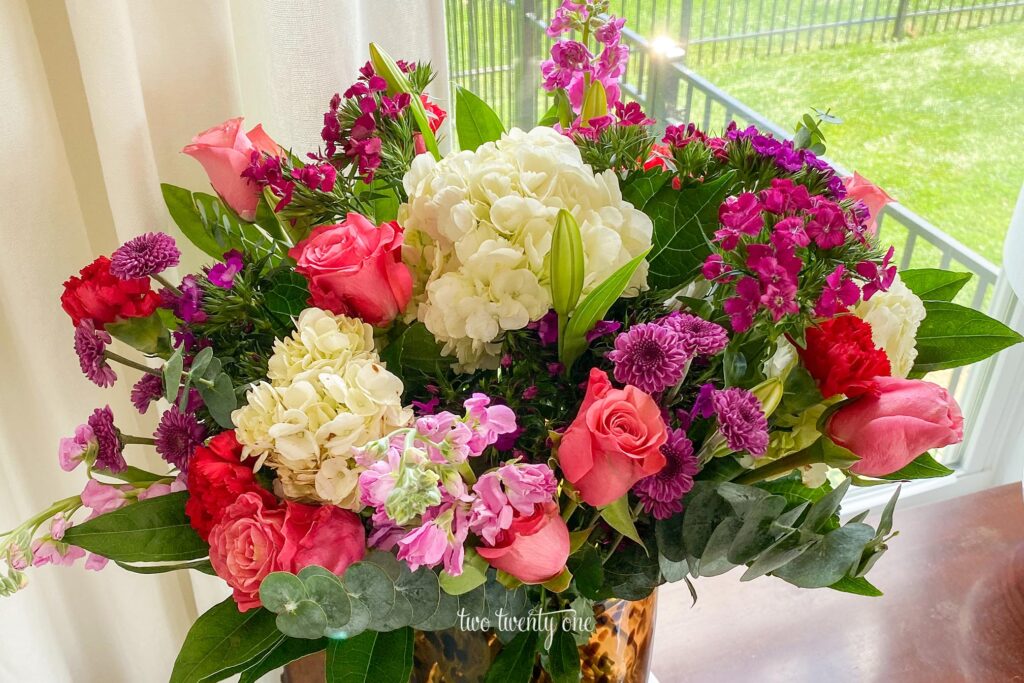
{"type": "Point", "coordinates": [97, 97]}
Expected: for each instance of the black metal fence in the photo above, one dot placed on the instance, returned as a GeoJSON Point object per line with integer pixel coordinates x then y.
{"type": "Point", "coordinates": [495, 46]}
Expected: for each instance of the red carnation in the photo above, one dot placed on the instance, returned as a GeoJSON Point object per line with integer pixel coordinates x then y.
{"type": "Point", "coordinates": [97, 295]}
{"type": "Point", "coordinates": [216, 478]}
{"type": "Point", "coordinates": [840, 353]}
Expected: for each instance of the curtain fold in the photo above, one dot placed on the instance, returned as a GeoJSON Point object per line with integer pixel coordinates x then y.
{"type": "Point", "coordinates": [99, 97]}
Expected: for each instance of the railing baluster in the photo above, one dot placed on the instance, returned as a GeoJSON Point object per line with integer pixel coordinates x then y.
{"type": "Point", "coordinates": [908, 248]}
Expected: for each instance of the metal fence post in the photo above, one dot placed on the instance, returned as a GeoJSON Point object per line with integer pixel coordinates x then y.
{"type": "Point", "coordinates": [685, 19]}
{"type": "Point", "coordinates": [527, 67]}
{"type": "Point", "coordinates": [901, 18]}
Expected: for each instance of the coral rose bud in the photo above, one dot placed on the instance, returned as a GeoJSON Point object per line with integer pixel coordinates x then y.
{"type": "Point", "coordinates": [892, 421]}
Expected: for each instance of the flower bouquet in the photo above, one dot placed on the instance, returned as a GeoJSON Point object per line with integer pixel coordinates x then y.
{"type": "Point", "coordinates": [490, 389]}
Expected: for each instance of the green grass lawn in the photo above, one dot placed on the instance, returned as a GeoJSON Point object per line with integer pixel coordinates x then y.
{"type": "Point", "coordinates": [936, 121]}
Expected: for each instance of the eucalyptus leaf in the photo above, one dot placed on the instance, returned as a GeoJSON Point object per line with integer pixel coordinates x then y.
{"type": "Point", "coordinates": [172, 374]}
{"type": "Point", "coordinates": [281, 591]}
{"type": "Point", "coordinates": [305, 619]}
{"type": "Point", "coordinates": [631, 573]}
{"type": "Point", "coordinates": [669, 535]}
{"type": "Point", "coordinates": [758, 531]}
{"type": "Point", "coordinates": [329, 593]}
{"type": "Point", "coordinates": [824, 508]}
{"type": "Point", "coordinates": [828, 560]}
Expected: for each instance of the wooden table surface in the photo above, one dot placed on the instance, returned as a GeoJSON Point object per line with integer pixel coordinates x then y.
{"type": "Point", "coordinates": [953, 610]}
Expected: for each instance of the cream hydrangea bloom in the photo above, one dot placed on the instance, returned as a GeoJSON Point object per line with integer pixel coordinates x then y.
{"type": "Point", "coordinates": [895, 316]}
{"type": "Point", "coordinates": [322, 342]}
{"type": "Point", "coordinates": [478, 229]}
{"type": "Point", "coordinates": [329, 394]}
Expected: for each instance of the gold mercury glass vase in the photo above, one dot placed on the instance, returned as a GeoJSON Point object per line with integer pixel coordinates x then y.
{"type": "Point", "coordinates": [619, 649]}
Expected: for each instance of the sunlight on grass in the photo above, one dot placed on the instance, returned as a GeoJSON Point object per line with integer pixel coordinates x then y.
{"type": "Point", "coordinates": [934, 120]}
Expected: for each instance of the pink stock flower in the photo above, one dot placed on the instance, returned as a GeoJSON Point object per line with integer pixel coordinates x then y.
{"type": "Point", "coordinates": [78, 448]}
{"type": "Point", "coordinates": [874, 198]}
{"type": "Point", "coordinates": [502, 493]}
{"type": "Point", "coordinates": [491, 421]}
{"type": "Point", "coordinates": [161, 489]}
{"type": "Point", "coordinates": [104, 498]}
{"type": "Point", "coordinates": [225, 152]}
{"type": "Point", "coordinates": [438, 540]}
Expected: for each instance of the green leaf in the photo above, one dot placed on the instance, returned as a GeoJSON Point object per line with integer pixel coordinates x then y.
{"type": "Point", "coordinates": [397, 81]}
{"type": "Point", "coordinates": [287, 293]}
{"type": "Point", "coordinates": [280, 591]}
{"type": "Point", "coordinates": [824, 508]}
{"type": "Point", "coordinates": [923, 466]}
{"type": "Point", "coordinates": [933, 284]}
{"type": "Point", "coordinates": [148, 335]}
{"type": "Point", "coordinates": [329, 593]}
{"type": "Point", "coordinates": [514, 664]}
{"type": "Point", "coordinates": [631, 573]}
{"type": "Point", "coordinates": [705, 510]}
{"type": "Point", "coordinates": [371, 657]}
{"type": "Point", "coordinates": [620, 517]}
{"type": "Point", "coordinates": [828, 560]}
{"type": "Point", "coordinates": [640, 186]}
{"type": "Point", "coordinates": [792, 488]}
{"type": "Point", "coordinates": [152, 530]}
{"type": "Point", "coordinates": [475, 122]}
{"type": "Point", "coordinates": [684, 221]}
{"type": "Point", "coordinates": [669, 535]}
{"type": "Point", "coordinates": [414, 350]}
{"type": "Point", "coordinates": [952, 335]}
{"type": "Point", "coordinates": [589, 573]}
{"type": "Point", "coordinates": [858, 586]}
{"type": "Point", "coordinates": [550, 117]}
{"type": "Point", "coordinates": [758, 531]}
{"type": "Point", "coordinates": [285, 652]}
{"type": "Point", "coordinates": [305, 619]}
{"type": "Point", "coordinates": [203, 566]}
{"type": "Point", "coordinates": [213, 227]}
{"type": "Point", "coordinates": [563, 661]}
{"type": "Point", "coordinates": [172, 374]}
{"type": "Point", "coordinates": [593, 309]}
{"type": "Point", "coordinates": [222, 640]}
{"type": "Point", "coordinates": [220, 399]}
{"type": "Point", "coordinates": [474, 575]}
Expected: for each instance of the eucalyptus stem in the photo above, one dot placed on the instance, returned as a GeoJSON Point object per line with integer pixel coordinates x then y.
{"type": "Point", "coordinates": [118, 358]}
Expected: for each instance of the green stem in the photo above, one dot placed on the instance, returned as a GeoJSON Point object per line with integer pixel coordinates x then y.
{"type": "Point", "coordinates": [64, 505]}
{"type": "Point", "coordinates": [166, 283]}
{"type": "Point", "coordinates": [140, 440]}
{"type": "Point", "coordinates": [780, 466]}
{"type": "Point", "coordinates": [674, 391]}
{"type": "Point", "coordinates": [117, 358]}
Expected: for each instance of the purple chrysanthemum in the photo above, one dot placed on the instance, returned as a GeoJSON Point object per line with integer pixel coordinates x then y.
{"type": "Point", "coordinates": [699, 337]}
{"type": "Point", "coordinates": [661, 494]}
{"type": "Point", "coordinates": [177, 437]}
{"type": "Point", "coordinates": [90, 345]}
{"type": "Point", "coordinates": [144, 255]}
{"type": "Point", "coordinates": [109, 446]}
{"type": "Point", "coordinates": [741, 420]}
{"type": "Point", "coordinates": [149, 388]}
{"type": "Point", "coordinates": [649, 356]}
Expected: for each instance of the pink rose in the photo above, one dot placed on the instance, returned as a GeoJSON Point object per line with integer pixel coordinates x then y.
{"type": "Point", "coordinates": [894, 420]}
{"type": "Point", "coordinates": [322, 535]}
{"type": "Point", "coordinates": [534, 548]}
{"type": "Point", "coordinates": [225, 151]}
{"type": "Point", "coordinates": [245, 545]}
{"type": "Point", "coordinates": [874, 198]}
{"type": "Point", "coordinates": [355, 268]}
{"type": "Point", "coordinates": [614, 442]}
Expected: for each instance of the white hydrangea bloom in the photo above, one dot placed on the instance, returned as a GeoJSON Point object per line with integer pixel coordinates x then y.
{"type": "Point", "coordinates": [478, 228]}
{"type": "Point", "coordinates": [329, 395]}
{"type": "Point", "coordinates": [894, 316]}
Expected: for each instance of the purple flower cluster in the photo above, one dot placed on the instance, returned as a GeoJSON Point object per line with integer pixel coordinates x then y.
{"type": "Point", "coordinates": [109, 447]}
{"type": "Point", "coordinates": [656, 355]}
{"type": "Point", "coordinates": [786, 157]}
{"type": "Point", "coordinates": [145, 255]}
{"type": "Point", "coordinates": [741, 420]}
{"type": "Point", "coordinates": [661, 494]}
{"type": "Point", "coordinates": [177, 436]}
{"type": "Point", "coordinates": [270, 171]}
{"type": "Point", "coordinates": [765, 240]}
{"type": "Point", "coordinates": [91, 345]}
{"type": "Point", "coordinates": [362, 144]}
